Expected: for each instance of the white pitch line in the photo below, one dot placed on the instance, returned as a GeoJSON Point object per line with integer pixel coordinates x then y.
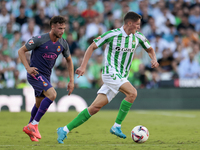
{"type": "Point", "coordinates": [167, 114]}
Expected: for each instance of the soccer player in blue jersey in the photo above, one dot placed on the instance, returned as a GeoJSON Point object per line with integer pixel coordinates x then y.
{"type": "Point", "coordinates": [119, 52]}
{"type": "Point", "coordinates": [45, 50]}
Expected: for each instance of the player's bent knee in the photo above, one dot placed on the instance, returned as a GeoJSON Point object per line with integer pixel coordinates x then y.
{"type": "Point", "coordinates": [132, 96]}
{"type": "Point", "coordinates": [93, 110]}
{"type": "Point", "coordinates": [52, 96]}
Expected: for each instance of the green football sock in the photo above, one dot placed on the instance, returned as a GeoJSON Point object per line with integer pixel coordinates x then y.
{"type": "Point", "coordinates": [123, 111]}
{"type": "Point", "coordinates": [80, 119]}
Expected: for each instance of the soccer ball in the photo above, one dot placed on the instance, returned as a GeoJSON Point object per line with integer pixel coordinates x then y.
{"type": "Point", "coordinates": [140, 134]}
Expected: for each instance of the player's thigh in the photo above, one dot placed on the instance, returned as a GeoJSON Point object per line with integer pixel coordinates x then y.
{"type": "Point", "coordinates": [128, 89]}
{"type": "Point", "coordinates": [50, 93]}
{"type": "Point", "coordinates": [38, 101]}
{"type": "Point", "coordinates": [100, 101]}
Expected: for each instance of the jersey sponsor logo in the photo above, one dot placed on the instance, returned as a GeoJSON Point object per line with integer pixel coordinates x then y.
{"type": "Point", "coordinates": [39, 37]}
{"type": "Point", "coordinates": [49, 56]}
{"type": "Point", "coordinates": [124, 49]}
{"type": "Point", "coordinates": [30, 42]}
{"type": "Point", "coordinates": [58, 49]}
{"type": "Point", "coordinates": [46, 47]}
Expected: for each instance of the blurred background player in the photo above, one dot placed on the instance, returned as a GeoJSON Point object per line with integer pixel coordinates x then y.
{"type": "Point", "coordinates": [45, 50]}
{"type": "Point", "coordinates": [121, 45]}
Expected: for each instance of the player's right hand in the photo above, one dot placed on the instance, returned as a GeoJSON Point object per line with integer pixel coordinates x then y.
{"type": "Point", "coordinates": [80, 71]}
{"type": "Point", "coordinates": [32, 71]}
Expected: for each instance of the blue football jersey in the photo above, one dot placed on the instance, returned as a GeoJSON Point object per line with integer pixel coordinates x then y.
{"type": "Point", "coordinates": [45, 52]}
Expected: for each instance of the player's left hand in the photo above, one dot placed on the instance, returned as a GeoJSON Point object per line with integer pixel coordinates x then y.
{"type": "Point", "coordinates": [70, 87]}
{"type": "Point", "coordinates": [154, 64]}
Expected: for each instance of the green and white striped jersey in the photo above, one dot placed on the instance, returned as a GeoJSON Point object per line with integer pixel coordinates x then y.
{"type": "Point", "coordinates": [120, 49]}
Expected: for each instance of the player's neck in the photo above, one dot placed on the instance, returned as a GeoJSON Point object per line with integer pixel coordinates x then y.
{"type": "Point", "coordinates": [52, 37]}
{"type": "Point", "coordinates": [126, 29]}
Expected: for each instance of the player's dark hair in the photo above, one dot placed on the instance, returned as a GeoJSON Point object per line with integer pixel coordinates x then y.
{"type": "Point", "coordinates": [57, 19]}
{"type": "Point", "coordinates": [132, 16]}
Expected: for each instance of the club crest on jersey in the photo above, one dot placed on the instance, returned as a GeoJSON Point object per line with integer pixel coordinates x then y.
{"type": "Point", "coordinates": [58, 49]}
{"type": "Point", "coordinates": [30, 42]}
{"type": "Point", "coordinates": [133, 42]}
{"type": "Point", "coordinates": [45, 84]}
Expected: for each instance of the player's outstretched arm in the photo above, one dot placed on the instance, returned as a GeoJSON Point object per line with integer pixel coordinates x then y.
{"type": "Point", "coordinates": [70, 66]}
{"type": "Point", "coordinates": [22, 56]}
{"type": "Point", "coordinates": [81, 70]}
{"type": "Point", "coordinates": [152, 55]}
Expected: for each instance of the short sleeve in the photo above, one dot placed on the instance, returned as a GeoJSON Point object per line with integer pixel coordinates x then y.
{"type": "Point", "coordinates": [32, 43]}
{"type": "Point", "coordinates": [143, 40]}
{"type": "Point", "coordinates": [66, 51]}
{"type": "Point", "coordinates": [106, 37]}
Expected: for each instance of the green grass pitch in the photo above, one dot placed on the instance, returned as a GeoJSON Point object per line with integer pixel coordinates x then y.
{"type": "Point", "coordinates": [169, 130]}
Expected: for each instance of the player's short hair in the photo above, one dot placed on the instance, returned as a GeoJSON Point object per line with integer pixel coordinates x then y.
{"type": "Point", "coordinates": [131, 16]}
{"type": "Point", "coordinates": [57, 19]}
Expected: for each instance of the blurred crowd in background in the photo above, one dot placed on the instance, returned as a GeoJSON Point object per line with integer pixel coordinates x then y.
{"type": "Point", "coordinates": [171, 26]}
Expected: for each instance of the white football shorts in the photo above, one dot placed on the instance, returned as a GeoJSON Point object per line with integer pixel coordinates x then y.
{"type": "Point", "coordinates": [112, 83]}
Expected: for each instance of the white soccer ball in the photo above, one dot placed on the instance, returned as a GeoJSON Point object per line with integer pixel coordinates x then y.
{"type": "Point", "coordinates": [140, 134]}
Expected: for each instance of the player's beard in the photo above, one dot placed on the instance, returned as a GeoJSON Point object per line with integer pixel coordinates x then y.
{"type": "Point", "coordinates": [57, 36]}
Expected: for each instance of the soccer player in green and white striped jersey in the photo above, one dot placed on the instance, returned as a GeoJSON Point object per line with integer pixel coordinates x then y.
{"type": "Point", "coordinates": [119, 52]}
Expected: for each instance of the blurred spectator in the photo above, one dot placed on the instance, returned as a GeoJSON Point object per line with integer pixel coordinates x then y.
{"type": "Point", "coordinates": [13, 7]}
{"type": "Point", "coordinates": [196, 49]}
{"type": "Point", "coordinates": [81, 5]}
{"type": "Point", "coordinates": [9, 33]}
{"type": "Point", "coordinates": [166, 65]}
{"type": "Point", "coordinates": [72, 44]}
{"type": "Point", "coordinates": [98, 6]}
{"type": "Point", "coordinates": [95, 69]}
{"type": "Point", "coordinates": [22, 70]}
{"type": "Point", "coordinates": [22, 18]}
{"type": "Point", "coordinates": [89, 12]}
{"type": "Point", "coordinates": [82, 39]}
{"type": "Point", "coordinates": [154, 81]}
{"type": "Point", "coordinates": [61, 68]}
{"type": "Point", "coordinates": [119, 13]}
{"type": "Point", "coordinates": [189, 68]}
{"type": "Point", "coordinates": [40, 18]}
{"type": "Point", "coordinates": [134, 69]}
{"type": "Point", "coordinates": [50, 8]}
{"type": "Point", "coordinates": [180, 54]}
{"type": "Point", "coordinates": [29, 29]}
{"type": "Point", "coordinates": [94, 25]}
{"type": "Point", "coordinates": [149, 29]}
{"type": "Point", "coordinates": [1, 42]}
{"type": "Point", "coordinates": [190, 36]}
{"type": "Point", "coordinates": [15, 26]}
{"type": "Point", "coordinates": [85, 81]}
{"type": "Point", "coordinates": [8, 68]}
{"type": "Point", "coordinates": [67, 31]}
{"type": "Point", "coordinates": [108, 21]}
{"type": "Point", "coordinates": [184, 24]}
{"type": "Point", "coordinates": [159, 44]}
{"type": "Point", "coordinates": [4, 17]}
{"type": "Point", "coordinates": [76, 17]}
{"type": "Point", "coordinates": [28, 10]}
{"type": "Point", "coordinates": [15, 43]}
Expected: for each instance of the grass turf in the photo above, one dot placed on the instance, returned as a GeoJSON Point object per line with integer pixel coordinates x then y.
{"type": "Point", "coordinates": [169, 130]}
